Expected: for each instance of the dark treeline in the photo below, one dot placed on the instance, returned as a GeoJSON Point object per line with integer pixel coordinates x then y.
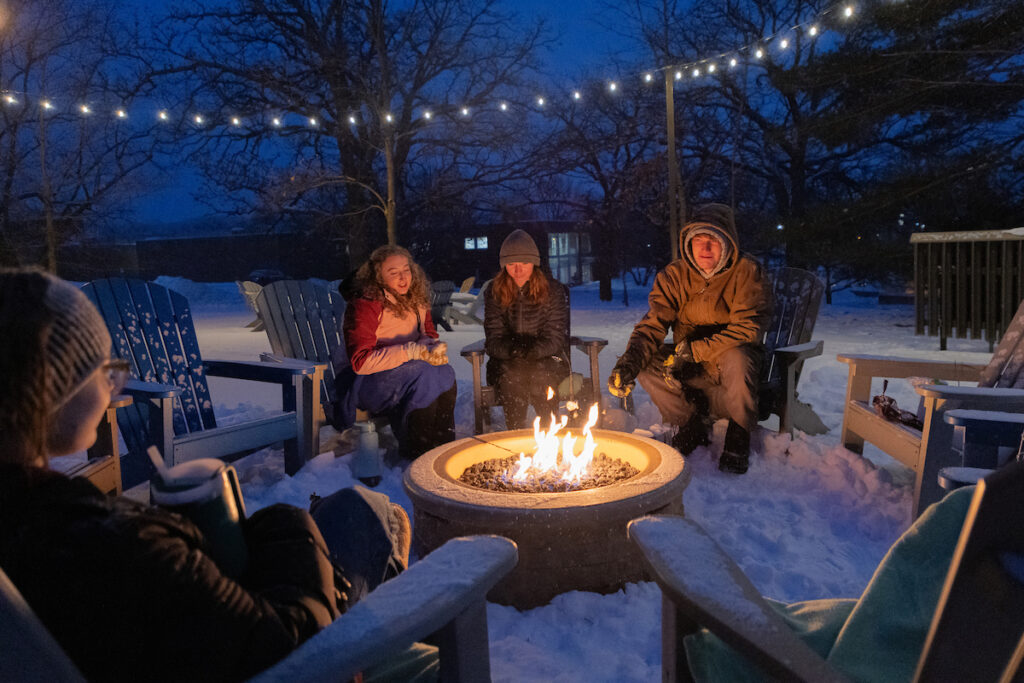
{"type": "Point", "coordinates": [904, 116]}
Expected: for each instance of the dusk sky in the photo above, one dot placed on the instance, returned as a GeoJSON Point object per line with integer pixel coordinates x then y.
{"type": "Point", "coordinates": [581, 49]}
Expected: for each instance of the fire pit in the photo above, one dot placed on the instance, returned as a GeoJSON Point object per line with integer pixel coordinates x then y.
{"type": "Point", "coordinates": [571, 540]}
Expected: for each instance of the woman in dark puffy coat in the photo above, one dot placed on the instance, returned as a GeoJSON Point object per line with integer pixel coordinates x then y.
{"type": "Point", "coordinates": [526, 319]}
{"type": "Point", "coordinates": [128, 590]}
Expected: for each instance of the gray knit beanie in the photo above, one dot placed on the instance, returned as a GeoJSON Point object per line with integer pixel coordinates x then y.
{"type": "Point", "coordinates": [78, 342]}
{"type": "Point", "coordinates": [518, 247]}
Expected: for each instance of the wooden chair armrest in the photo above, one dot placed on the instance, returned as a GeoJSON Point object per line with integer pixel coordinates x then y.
{"type": "Point", "coordinates": [988, 427]}
{"type": "Point", "coordinates": [887, 366]}
{"type": "Point", "coordinates": [267, 357]}
{"type": "Point", "coordinates": [584, 344]}
{"type": "Point", "coordinates": [980, 398]}
{"type": "Point", "coordinates": [474, 349]}
{"type": "Point", "coordinates": [704, 582]}
{"type": "Point", "coordinates": [137, 389]}
{"type": "Point", "coordinates": [423, 599]}
{"type": "Point", "coordinates": [276, 372]}
{"type": "Point", "coordinates": [795, 352]}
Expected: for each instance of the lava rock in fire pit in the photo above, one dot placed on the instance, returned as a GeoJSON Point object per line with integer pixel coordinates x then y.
{"type": "Point", "coordinates": [496, 475]}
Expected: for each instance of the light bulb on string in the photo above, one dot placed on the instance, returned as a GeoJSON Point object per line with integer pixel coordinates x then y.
{"type": "Point", "coordinates": [759, 53]}
{"type": "Point", "coordinates": [812, 31]}
{"type": "Point", "coordinates": [848, 11]}
{"type": "Point", "coordinates": [85, 109]}
{"type": "Point", "coordinates": [577, 95]}
{"type": "Point", "coordinates": [427, 114]}
{"type": "Point", "coordinates": [540, 101]}
{"type": "Point", "coordinates": [679, 75]}
{"type": "Point", "coordinates": [162, 115]}
{"type": "Point", "coordinates": [711, 68]}
{"type": "Point", "coordinates": [783, 44]}
{"type": "Point", "coordinates": [696, 73]}
{"type": "Point", "coordinates": [46, 104]}
{"type": "Point", "coordinates": [503, 106]}
{"type": "Point", "coordinates": [10, 99]}
{"type": "Point", "coordinates": [352, 120]}
{"type": "Point", "coordinates": [732, 63]}
{"type": "Point", "coordinates": [198, 119]}
{"type": "Point", "coordinates": [235, 121]}
{"type": "Point", "coordinates": [312, 122]}
{"type": "Point", "coordinates": [612, 86]}
{"type": "Point", "coordinates": [648, 78]}
{"type": "Point", "coordinates": [388, 118]}
{"type": "Point", "coordinates": [465, 111]}
{"type": "Point", "coordinates": [121, 114]}
{"type": "Point", "coordinates": [275, 122]}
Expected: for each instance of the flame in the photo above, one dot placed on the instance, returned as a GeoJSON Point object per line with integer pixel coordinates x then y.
{"type": "Point", "coordinates": [571, 467]}
{"type": "Point", "coordinates": [551, 393]}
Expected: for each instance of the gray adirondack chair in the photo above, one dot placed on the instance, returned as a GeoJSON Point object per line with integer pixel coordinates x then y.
{"type": "Point", "coordinates": [586, 390]}
{"type": "Point", "coordinates": [249, 289]}
{"type": "Point", "coordinates": [1000, 386]}
{"type": "Point", "coordinates": [151, 328]}
{"type": "Point", "coordinates": [443, 594]}
{"type": "Point", "coordinates": [983, 440]}
{"type": "Point", "coordinates": [788, 344]}
{"type": "Point", "coordinates": [303, 321]}
{"type": "Point", "coordinates": [441, 303]}
{"type": "Point", "coordinates": [977, 631]}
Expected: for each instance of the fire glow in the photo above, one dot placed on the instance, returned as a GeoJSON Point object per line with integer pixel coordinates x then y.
{"type": "Point", "coordinates": [571, 467]}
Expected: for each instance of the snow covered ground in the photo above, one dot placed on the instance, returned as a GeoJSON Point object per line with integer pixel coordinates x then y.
{"type": "Point", "coordinates": [809, 520]}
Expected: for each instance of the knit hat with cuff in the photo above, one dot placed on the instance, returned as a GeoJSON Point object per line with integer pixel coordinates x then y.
{"type": "Point", "coordinates": [518, 247]}
{"type": "Point", "coordinates": [78, 342]}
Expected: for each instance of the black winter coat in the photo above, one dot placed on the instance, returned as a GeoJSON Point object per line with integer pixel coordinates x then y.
{"type": "Point", "coordinates": [130, 593]}
{"type": "Point", "coordinates": [526, 329]}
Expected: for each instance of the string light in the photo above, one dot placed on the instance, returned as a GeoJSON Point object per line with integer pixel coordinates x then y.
{"type": "Point", "coordinates": [162, 115]}
{"type": "Point", "coordinates": [813, 30]}
{"type": "Point", "coordinates": [465, 111]}
{"type": "Point", "coordinates": [312, 121]}
{"type": "Point", "coordinates": [696, 73]}
{"type": "Point", "coordinates": [235, 121]}
{"type": "Point", "coordinates": [784, 44]}
{"type": "Point", "coordinates": [711, 68]}
{"type": "Point", "coordinates": [679, 75]}
{"type": "Point", "coordinates": [85, 109]}
{"type": "Point", "coordinates": [612, 86]}
{"type": "Point", "coordinates": [577, 95]}
{"type": "Point", "coordinates": [198, 119]}
{"type": "Point", "coordinates": [387, 117]}
{"type": "Point", "coordinates": [848, 11]}
{"type": "Point", "coordinates": [648, 77]}
{"type": "Point", "coordinates": [732, 63]}
{"type": "Point", "coordinates": [352, 120]}
{"type": "Point", "coordinates": [540, 101]}
{"type": "Point", "coordinates": [427, 114]}
{"type": "Point", "coordinates": [759, 54]}
{"type": "Point", "coordinates": [9, 99]}
{"type": "Point", "coordinates": [275, 122]}
{"type": "Point", "coordinates": [503, 106]}
{"type": "Point", "coordinates": [46, 104]}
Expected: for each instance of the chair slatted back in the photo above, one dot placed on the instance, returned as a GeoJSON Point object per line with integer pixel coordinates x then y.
{"type": "Point", "coordinates": [797, 294]}
{"type": "Point", "coordinates": [152, 328]}
{"type": "Point", "coordinates": [978, 630]}
{"type": "Point", "coordinates": [303, 320]}
{"type": "Point", "coordinates": [1006, 368]}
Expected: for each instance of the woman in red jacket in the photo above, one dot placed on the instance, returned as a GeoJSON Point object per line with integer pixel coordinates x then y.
{"type": "Point", "coordinates": [395, 364]}
{"type": "Point", "coordinates": [130, 591]}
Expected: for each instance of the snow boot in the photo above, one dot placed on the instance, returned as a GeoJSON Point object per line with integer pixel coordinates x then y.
{"type": "Point", "coordinates": [735, 456]}
{"type": "Point", "coordinates": [692, 434]}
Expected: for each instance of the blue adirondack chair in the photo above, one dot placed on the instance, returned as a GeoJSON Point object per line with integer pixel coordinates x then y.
{"type": "Point", "coordinates": [151, 327]}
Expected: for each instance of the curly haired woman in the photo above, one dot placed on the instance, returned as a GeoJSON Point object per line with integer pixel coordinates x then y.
{"type": "Point", "coordinates": [395, 364]}
{"type": "Point", "coordinates": [526, 315]}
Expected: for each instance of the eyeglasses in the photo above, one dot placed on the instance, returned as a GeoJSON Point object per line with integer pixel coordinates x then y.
{"type": "Point", "coordinates": [117, 372]}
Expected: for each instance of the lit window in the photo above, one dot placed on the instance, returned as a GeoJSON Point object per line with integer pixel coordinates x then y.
{"type": "Point", "coordinates": [470, 243]}
{"type": "Point", "coordinates": [481, 242]}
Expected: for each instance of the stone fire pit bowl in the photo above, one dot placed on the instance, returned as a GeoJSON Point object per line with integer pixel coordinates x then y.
{"type": "Point", "coordinates": [574, 540]}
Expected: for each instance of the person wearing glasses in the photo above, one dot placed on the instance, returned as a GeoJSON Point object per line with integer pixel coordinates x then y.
{"type": "Point", "coordinates": [130, 591]}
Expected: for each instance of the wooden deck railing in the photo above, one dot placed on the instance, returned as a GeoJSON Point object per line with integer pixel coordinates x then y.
{"type": "Point", "coordinates": [967, 284]}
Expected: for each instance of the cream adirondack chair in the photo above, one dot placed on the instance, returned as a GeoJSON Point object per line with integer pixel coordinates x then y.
{"type": "Point", "coordinates": [1000, 386]}
{"type": "Point", "coordinates": [442, 594]}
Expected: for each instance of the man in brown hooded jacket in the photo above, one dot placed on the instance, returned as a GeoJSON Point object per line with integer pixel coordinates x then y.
{"type": "Point", "coordinates": [717, 302]}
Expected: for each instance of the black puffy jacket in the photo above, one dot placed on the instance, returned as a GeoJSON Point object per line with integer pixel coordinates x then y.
{"type": "Point", "coordinates": [526, 329]}
{"type": "Point", "coordinates": [130, 593]}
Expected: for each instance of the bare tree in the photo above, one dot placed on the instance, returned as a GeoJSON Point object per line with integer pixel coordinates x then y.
{"type": "Point", "coordinates": [350, 95]}
{"type": "Point", "coordinates": [66, 68]}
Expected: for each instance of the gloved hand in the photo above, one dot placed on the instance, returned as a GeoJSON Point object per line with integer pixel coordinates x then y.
{"type": "Point", "coordinates": [518, 346]}
{"type": "Point", "coordinates": [621, 381]}
{"type": "Point", "coordinates": [680, 354]}
{"type": "Point", "coordinates": [438, 354]}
